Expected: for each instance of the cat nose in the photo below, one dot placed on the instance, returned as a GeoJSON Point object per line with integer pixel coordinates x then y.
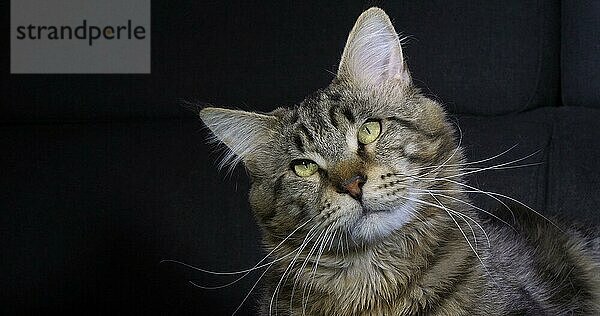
{"type": "Point", "coordinates": [353, 186]}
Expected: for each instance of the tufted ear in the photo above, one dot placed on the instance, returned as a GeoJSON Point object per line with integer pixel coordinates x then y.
{"type": "Point", "coordinates": [373, 54]}
{"type": "Point", "coordinates": [244, 133]}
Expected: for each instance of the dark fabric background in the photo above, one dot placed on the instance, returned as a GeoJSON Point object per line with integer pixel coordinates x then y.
{"type": "Point", "coordinates": [104, 175]}
{"type": "Point", "coordinates": [580, 50]}
{"type": "Point", "coordinates": [491, 58]}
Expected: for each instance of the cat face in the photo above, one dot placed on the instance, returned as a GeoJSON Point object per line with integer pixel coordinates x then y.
{"type": "Point", "coordinates": [350, 157]}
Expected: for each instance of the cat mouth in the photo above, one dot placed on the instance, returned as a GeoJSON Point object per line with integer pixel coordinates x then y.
{"type": "Point", "coordinates": [374, 223]}
{"type": "Point", "coordinates": [368, 211]}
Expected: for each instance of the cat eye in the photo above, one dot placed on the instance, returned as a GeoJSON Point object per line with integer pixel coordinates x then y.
{"type": "Point", "coordinates": [369, 132]}
{"type": "Point", "coordinates": [305, 168]}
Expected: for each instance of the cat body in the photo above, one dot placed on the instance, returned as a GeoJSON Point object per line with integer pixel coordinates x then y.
{"type": "Point", "coordinates": [532, 269]}
{"type": "Point", "coordinates": [359, 194]}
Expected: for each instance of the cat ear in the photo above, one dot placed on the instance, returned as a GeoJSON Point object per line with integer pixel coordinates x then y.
{"type": "Point", "coordinates": [244, 133]}
{"type": "Point", "coordinates": [373, 54]}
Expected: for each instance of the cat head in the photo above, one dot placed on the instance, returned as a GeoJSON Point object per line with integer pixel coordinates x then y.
{"type": "Point", "coordinates": [352, 156]}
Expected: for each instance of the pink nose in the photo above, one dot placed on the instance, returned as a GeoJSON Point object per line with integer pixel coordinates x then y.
{"type": "Point", "coordinates": [353, 186]}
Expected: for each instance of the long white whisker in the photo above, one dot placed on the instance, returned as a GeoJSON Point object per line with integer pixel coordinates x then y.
{"type": "Point", "coordinates": [473, 162]}
{"type": "Point", "coordinates": [305, 262]}
{"type": "Point", "coordinates": [347, 245]}
{"type": "Point", "coordinates": [505, 167]}
{"type": "Point", "coordinates": [477, 190]}
{"type": "Point", "coordinates": [461, 216]}
{"type": "Point", "coordinates": [252, 289]}
{"type": "Point", "coordinates": [300, 248]}
{"type": "Point", "coordinates": [468, 204]}
{"type": "Point", "coordinates": [470, 170]}
{"type": "Point", "coordinates": [468, 186]}
{"type": "Point", "coordinates": [461, 230]}
{"type": "Point", "coordinates": [221, 273]}
{"type": "Point", "coordinates": [245, 271]}
{"type": "Point", "coordinates": [493, 167]}
{"type": "Point", "coordinates": [332, 239]}
{"type": "Point", "coordinates": [315, 266]}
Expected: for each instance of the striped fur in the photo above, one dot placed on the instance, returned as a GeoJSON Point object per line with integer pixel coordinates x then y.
{"type": "Point", "coordinates": [400, 249]}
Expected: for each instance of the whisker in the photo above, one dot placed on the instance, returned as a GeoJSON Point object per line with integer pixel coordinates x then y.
{"type": "Point", "coordinates": [476, 161]}
{"type": "Point", "coordinates": [255, 267]}
{"type": "Point", "coordinates": [313, 248]}
{"type": "Point", "coordinates": [471, 187]}
{"type": "Point", "coordinates": [258, 267]}
{"type": "Point", "coordinates": [309, 236]}
{"type": "Point", "coordinates": [252, 289]}
{"type": "Point", "coordinates": [470, 170]}
{"type": "Point", "coordinates": [468, 204]}
{"type": "Point", "coordinates": [477, 190]}
{"type": "Point", "coordinates": [493, 167]}
{"type": "Point", "coordinates": [463, 165]}
{"type": "Point", "coordinates": [462, 217]}
{"type": "Point", "coordinates": [332, 239]}
{"type": "Point", "coordinates": [289, 268]}
{"type": "Point", "coordinates": [506, 167]}
{"type": "Point", "coordinates": [442, 207]}
{"type": "Point", "coordinates": [304, 262]}
{"type": "Point", "coordinates": [347, 245]}
{"type": "Point", "coordinates": [314, 271]}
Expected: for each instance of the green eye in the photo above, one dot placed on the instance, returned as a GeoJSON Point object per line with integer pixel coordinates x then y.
{"type": "Point", "coordinates": [305, 168]}
{"type": "Point", "coordinates": [369, 132]}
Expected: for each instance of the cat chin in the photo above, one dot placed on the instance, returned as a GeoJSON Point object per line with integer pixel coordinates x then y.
{"type": "Point", "coordinates": [372, 226]}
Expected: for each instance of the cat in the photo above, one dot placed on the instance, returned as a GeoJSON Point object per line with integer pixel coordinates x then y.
{"type": "Point", "coordinates": [358, 191]}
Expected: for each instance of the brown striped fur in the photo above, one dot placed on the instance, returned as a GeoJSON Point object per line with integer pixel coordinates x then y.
{"type": "Point", "coordinates": [412, 244]}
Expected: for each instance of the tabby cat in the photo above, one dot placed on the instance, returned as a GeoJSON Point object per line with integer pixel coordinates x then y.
{"type": "Point", "coordinates": [359, 194]}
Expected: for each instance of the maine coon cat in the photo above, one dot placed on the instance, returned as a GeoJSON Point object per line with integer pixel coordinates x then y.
{"type": "Point", "coordinates": [359, 194]}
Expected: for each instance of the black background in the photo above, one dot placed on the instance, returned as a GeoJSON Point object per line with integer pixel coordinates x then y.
{"type": "Point", "coordinates": [103, 176]}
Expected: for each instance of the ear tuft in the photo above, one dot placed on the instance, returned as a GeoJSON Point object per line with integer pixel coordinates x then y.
{"type": "Point", "coordinates": [244, 133]}
{"type": "Point", "coordinates": [373, 54]}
